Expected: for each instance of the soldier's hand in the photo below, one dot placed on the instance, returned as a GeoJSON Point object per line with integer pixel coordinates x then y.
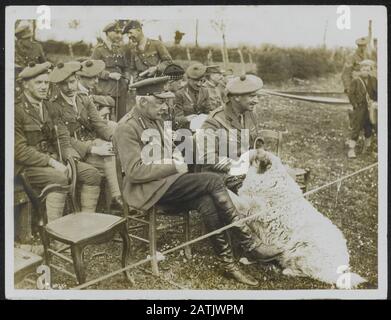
{"type": "Point", "coordinates": [105, 149]}
{"type": "Point", "coordinates": [180, 164]}
{"type": "Point", "coordinates": [115, 75]}
{"type": "Point", "coordinates": [151, 70]}
{"type": "Point", "coordinates": [58, 166]}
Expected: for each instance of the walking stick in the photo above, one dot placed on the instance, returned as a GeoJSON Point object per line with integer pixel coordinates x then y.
{"type": "Point", "coordinates": [58, 142]}
{"type": "Point", "coordinates": [116, 101]}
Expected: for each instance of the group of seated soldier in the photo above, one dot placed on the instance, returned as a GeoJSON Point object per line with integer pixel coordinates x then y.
{"type": "Point", "coordinates": [56, 118]}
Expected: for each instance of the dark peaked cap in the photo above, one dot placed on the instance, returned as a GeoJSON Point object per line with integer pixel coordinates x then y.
{"type": "Point", "coordinates": [154, 87]}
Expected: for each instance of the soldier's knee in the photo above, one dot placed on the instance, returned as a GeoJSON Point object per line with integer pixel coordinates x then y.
{"type": "Point", "coordinates": [90, 176]}
{"type": "Point", "coordinates": [58, 178]}
{"type": "Point", "coordinates": [215, 180]}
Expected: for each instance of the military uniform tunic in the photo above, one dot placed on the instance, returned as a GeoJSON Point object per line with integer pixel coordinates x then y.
{"type": "Point", "coordinates": [115, 58]}
{"type": "Point", "coordinates": [188, 102]}
{"type": "Point", "coordinates": [351, 66]}
{"type": "Point", "coordinates": [219, 122]}
{"type": "Point", "coordinates": [82, 121]}
{"type": "Point", "coordinates": [36, 143]}
{"type": "Point", "coordinates": [153, 54]}
{"type": "Point", "coordinates": [144, 183]}
{"type": "Point", "coordinates": [27, 51]}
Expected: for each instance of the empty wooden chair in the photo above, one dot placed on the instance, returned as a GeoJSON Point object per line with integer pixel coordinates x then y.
{"type": "Point", "coordinates": [77, 229]}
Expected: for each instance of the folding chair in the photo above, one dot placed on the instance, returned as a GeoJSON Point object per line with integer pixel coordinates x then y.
{"type": "Point", "coordinates": [76, 230]}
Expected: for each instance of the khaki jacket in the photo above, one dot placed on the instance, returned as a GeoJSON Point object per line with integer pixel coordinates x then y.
{"type": "Point", "coordinates": [144, 183]}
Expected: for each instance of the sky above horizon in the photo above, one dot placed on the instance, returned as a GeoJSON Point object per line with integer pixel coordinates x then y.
{"type": "Point", "coordinates": [245, 25]}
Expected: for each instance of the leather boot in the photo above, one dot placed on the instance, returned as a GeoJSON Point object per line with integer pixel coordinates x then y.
{"type": "Point", "coordinates": [367, 144]}
{"type": "Point", "coordinates": [241, 233]}
{"type": "Point", "coordinates": [222, 248]}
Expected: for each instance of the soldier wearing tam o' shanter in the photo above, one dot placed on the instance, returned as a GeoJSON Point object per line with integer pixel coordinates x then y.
{"type": "Point", "coordinates": [88, 81]}
{"type": "Point", "coordinates": [193, 98]}
{"type": "Point", "coordinates": [236, 114]}
{"type": "Point", "coordinates": [90, 134]}
{"type": "Point", "coordinates": [37, 135]}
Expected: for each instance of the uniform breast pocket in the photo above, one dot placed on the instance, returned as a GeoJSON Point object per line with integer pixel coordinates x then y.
{"type": "Point", "coordinates": [110, 62]}
{"type": "Point", "coordinates": [33, 134]}
{"type": "Point", "coordinates": [152, 59]}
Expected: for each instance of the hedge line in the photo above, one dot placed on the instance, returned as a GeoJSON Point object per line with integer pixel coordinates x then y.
{"type": "Point", "coordinates": [273, 63]}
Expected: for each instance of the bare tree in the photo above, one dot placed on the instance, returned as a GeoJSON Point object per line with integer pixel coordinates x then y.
{"type": "Point", "coordinates": [219, 26]}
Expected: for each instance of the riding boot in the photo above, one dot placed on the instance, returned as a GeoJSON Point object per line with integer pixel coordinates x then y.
{"type": "Point", "coordinates": [222, 249]}
{"type": "Point", "coordinates": [241, 232]}
{"type": "Point", "coordinates": [367, 144]}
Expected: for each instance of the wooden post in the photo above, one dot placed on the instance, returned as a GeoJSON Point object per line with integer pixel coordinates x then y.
{"type": "Point", "coordinates": [70, 49]}
{"type": "Point", "coordinates": [370, 44]}
{"type": "Point", "coordinates": [188, 54]}
{"type": "Point", "coordinates": [196, 34]}
{"type": "Point", "coordinates": [242, 61]}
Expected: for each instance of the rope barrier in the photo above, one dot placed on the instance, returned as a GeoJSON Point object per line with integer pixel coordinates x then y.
{"type": "Point", "coordinates": [217, 231]}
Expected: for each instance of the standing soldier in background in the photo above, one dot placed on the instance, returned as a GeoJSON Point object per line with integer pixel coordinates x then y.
{"type": "Point", "coordinates": [193, 98]}
{"type": "Point", "coordinates": [352, 66]}
{"type": "Point", "coordinates": [26, 51]}
{"type": "Point", "coordinates": [215, 84]}
{"type": "Point", "coordinates": [36, 144]}
{"type": "Point", "coordinates": [90, 135]}
{"type": "Point", "coordinates": [362, 91]}
{"type": "Point", "coordinates": [88, 81]}
{"type": "Point", "coordinates": [147, 54]}
{"type": "Point", "coordinates": [114, 79]}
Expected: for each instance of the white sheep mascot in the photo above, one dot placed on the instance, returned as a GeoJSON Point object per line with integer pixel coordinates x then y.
{"type": "Point", "coordinates": [310, 243]}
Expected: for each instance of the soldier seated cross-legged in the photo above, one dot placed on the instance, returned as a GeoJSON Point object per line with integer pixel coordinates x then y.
{"type": "Point", "coordinates": [153, 179]}
{"type": "Point", "coordinates": [89, 134]}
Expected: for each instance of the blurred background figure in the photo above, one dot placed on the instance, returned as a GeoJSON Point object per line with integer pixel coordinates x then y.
{"type": "Point", "coordinates": [362, 96]}
{"type": "Point", "coordinates": [113, 81]}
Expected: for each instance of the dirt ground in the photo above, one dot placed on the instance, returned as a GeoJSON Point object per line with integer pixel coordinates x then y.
{"type": "Point", "coordinates": [315, 138]}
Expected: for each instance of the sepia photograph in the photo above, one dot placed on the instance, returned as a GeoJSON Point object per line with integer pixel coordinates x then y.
{"type": "Point", "coordinates": [196, 152]}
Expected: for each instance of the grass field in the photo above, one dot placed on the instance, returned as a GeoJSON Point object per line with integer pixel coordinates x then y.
{"type": "Point", "coordinates": [315, 139]}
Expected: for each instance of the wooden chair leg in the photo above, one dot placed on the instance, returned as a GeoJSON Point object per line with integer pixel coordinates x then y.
{"type": "Point", "coordinates": [186, 218]}
{"type": "Point", "coordinates": [126, 252]}
{"type": "Point", "coordinates": [152, 241]}
{"type": "Point", "coordinates": [78, 263]}
{"type": "Point", "coordinates": [45, 243]}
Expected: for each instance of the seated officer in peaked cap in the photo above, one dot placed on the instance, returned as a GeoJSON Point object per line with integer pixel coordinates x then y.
{"type": "Point", "coordinates": [90, 135]}
{"type": "Point", "coordinates": [215, 84]}
{"type": "Point", "coordinates": [166, 182]}
{"type": "Point", "coordinates": [113, 81]}
{"type": "Point", "coordinates": [147, 53]}
{"type": "Point", "coordinates": [26, 49]}
{"type": "Point", "coordinates": [88, 81]}
{"type": "Point", "coordinates": [36, 138]}
{"type": "Point", "coordinates": [193, 98]}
